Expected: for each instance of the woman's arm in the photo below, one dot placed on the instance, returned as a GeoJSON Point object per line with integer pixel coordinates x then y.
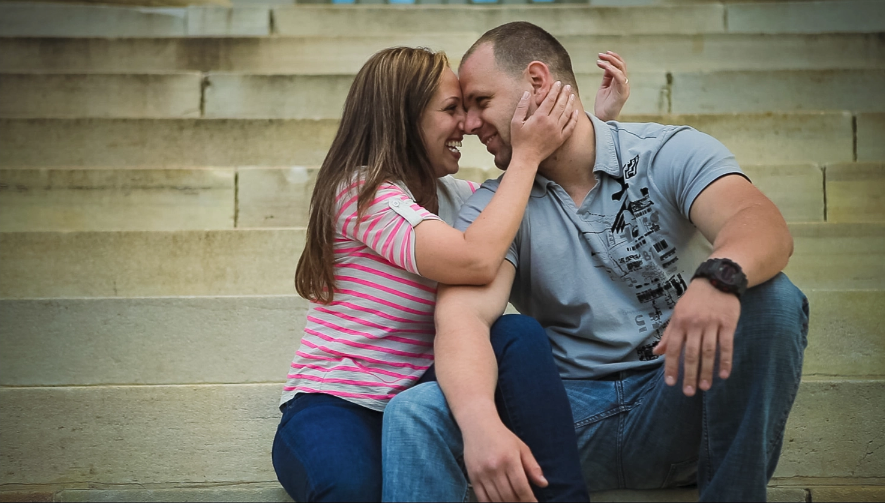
{"type": "Point", "coordinates": [473, 257]}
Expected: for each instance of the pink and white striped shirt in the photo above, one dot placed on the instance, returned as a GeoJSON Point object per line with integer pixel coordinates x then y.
{"type": "Point", "coordinates": [376, 337]}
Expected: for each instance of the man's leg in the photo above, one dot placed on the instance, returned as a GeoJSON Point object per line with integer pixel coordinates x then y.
{"type": "Point", "coordinates": [533, 404]}
{"type": "Point", "coordinates": [737, 426]}
{"type": "Point", "coordinates": [422, 450]}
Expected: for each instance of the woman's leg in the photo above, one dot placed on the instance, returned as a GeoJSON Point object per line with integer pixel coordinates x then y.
{"type": "Point", "coordinates": [328, 449]}
{"type": "Point", "coordinates": [533, 403]}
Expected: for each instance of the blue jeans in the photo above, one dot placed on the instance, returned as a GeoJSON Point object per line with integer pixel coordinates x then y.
{"type": "Point", "coordinates": [632, 430]}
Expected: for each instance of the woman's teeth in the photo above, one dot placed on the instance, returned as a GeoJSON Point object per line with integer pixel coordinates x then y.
{"type": "Point", "coordinates": [453, 145]}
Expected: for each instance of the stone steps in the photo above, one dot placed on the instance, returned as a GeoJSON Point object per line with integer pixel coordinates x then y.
{"type": "Point", "coordinates": [293, 96]}
{"type": "Point", "coordinates": [263, 261]}
{"type": "Point", "coordinates": [346, 54]}
{"type": "Point", "coordinates": [212, 340]}
{"type": "Point", "coordinates": [117, 199]}
{"type": "Point", "coordinates": [66, 20]}
{"type": "Point", "coordinates": [192, 434]}
{"type": "Point", "coordinates": [789, 138]}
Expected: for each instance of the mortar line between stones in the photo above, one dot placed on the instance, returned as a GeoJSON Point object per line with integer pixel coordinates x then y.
{"type": "Point", "coordinates": [236, 197]}
{"type": "Point", "coordinates": [271, 23]}
{"type": "Point", "coordinates": [669, 92]}
{"type": "Point", "coordinates": [807, 495]}
{"type": "Point", "coordinates": [854, 137]}
{"type": "Point", "coordinates": [824, 172]}
{"type": "Point", "coordinates": [204, 83]}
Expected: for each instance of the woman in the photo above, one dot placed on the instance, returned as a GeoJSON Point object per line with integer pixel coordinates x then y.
{"type": "Point", "coordinates": [375, 250]}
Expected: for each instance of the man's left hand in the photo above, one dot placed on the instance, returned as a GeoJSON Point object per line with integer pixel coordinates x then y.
{"type": "Point", "coordinates": [704, 318]}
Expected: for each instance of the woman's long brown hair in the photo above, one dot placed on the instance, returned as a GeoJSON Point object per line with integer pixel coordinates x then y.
{"type": "Point", "coordinates": [379, 140]}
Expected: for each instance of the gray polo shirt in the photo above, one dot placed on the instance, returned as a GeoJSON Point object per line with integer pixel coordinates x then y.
{"type": "Point", "coordinates": [603, 278]}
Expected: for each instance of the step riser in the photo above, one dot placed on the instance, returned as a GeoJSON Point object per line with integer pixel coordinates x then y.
{"type": "Point", "coordinates": [560, 20]}
{"type": "Point", "coordinates": [322, 97]}
{"type": "Point", "coordinates": [754, 139]}
{"type": "Point", "coordinates": [856, 192]}
{"type": "Point", "coordinates": [157, 263]}
{"type": "Point", "coordinates": [347, 54]}
{"type": "Point", "coordinates": [143, 95]}
{"type": "Point", "coordinates": [101, 199]}
{"type": "Point", "coordinates": [870, 134]}
{"type": "Point", "coordinates": [247, 262]}
{"type": "Point", "coordinates": [69, 342]}
{"type": "Point", "coordinates": [188, 433]}
{"type": "Point", "coordinates": [44, 199]}
{"type": "Point", "coordinates": [60, 20]}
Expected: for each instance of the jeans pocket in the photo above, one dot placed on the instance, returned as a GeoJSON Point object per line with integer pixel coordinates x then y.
{"type": "Point", "coordinates": [682, 474]}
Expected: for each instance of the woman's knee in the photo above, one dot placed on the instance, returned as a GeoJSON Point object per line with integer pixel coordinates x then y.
{"type": "Point", "coordinates": [516, 332]}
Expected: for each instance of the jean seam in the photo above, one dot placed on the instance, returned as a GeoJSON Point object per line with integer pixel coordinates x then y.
{"type": "Point", "coordinates": [705, 433]}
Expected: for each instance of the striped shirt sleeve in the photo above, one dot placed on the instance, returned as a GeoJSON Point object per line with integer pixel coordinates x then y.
{"type": "Point", "coordinates": [387, 226]}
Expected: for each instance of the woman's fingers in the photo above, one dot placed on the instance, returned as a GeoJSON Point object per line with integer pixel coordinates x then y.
{"type": "Point", "coordinates": [522, 108]}
{"type": "Point", "coordinates": [550, 100]}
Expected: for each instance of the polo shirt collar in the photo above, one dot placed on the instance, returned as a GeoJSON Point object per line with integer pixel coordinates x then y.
{"type": "Point", "coordinates": [606, 157]}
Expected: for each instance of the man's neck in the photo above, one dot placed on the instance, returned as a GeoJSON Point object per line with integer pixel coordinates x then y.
{"type": "Point", "coordinates": [571, 166]}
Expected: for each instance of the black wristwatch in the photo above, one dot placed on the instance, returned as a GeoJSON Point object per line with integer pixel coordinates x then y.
{"type": "Point", "coordinates": [723, 274]}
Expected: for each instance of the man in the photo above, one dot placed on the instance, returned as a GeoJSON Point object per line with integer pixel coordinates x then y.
{"type": "Point", "coordinates": [639, 241]}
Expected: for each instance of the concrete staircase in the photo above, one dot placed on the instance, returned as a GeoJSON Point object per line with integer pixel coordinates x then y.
{"type": "Point", "coordinates": [155, 171]}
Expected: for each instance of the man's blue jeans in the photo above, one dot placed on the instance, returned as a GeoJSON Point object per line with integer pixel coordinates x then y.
{"type": "Point", "coordinates": [632, 430]}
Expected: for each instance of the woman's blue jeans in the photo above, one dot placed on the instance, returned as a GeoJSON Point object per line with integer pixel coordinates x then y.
{"type": "Point", "coordinates": [632, 430]}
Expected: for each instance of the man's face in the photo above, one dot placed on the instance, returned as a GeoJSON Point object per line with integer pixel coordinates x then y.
{"type": "Point", "coordinates": [490, 97]}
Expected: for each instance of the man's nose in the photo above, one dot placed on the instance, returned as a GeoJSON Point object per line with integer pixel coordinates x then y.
{"type": "Point", "coordinates": [472, 123]}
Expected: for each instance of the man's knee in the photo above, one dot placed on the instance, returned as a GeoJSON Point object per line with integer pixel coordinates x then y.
{"type": "Point", "coordinates": [418, 407]}
{"type": "Point", "coordinates": [774, 319]}
{"type": "Point", "coordinates": [516, 332]}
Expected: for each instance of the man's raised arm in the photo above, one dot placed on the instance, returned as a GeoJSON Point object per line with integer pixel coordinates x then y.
{"type": "Point", "coordinates": [499, 465]}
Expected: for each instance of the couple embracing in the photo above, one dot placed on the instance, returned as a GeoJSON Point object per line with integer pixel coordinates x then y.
{"type": "Point", "coordinates": [659, 344]}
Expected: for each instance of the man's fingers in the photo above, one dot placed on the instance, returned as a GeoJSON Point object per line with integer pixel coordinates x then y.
{"type": "Point", "coordinates": [674, 350]}
{"type": "Point", "coordinates": [532, 468]}
{"type": "Point", "coordinates": [726, 351]}
{"type": "Point", "coordinates": [481, 494]}
{"type": "Point", "coordinates": [690, 362]}
{"type": "Point", "coordinates": [708, 357]}
{"type": "Point", "coordinates": [550, 100]}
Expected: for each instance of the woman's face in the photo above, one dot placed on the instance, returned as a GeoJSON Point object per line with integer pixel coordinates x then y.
{"type": "Point", "coordinates": [442, 125]}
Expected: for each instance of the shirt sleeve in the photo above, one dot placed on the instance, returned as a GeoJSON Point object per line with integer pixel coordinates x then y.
{"type": "Point", "coordinates": [474, 206]}
{"type": "Point", "coordinates": [687, 163]}
{"type": "Point", "coordinates": [387, 226]}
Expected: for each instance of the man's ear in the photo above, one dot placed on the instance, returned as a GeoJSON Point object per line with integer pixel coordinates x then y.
{"type": "Point", "coordinates": [540, 79]}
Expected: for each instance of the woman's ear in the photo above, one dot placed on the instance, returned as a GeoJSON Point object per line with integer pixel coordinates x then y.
{"type": "Point", "coordinates": [538, 75]}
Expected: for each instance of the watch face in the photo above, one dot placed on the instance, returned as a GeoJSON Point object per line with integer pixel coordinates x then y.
{"type": "Point", "coordinates": [726, 273]}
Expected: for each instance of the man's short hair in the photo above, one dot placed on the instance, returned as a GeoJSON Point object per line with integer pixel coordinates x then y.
{"type": "Point", "coordinates": [517, 44]}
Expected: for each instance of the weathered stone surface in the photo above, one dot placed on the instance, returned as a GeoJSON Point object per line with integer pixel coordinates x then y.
{"type": "Point", "coordinates": [165, 340]}
{"type": "Point", "coordinates": [43, 199]}
{"type": "Point", "coordinates": [346, 54]}
{"type": "Point", "coordinates": [232, 95]}
{"type": "Point", "coordinates": [835, 430]}
{"type": "Point", "coordinates": [846, 334]}
{"type": "Point", "coordinates": [205, 21]}
{"type": "Point", "coordinates": [138, 434]}
{"type": "Point", "coordinates": [870, 135]}
{"type": "Point", "coordinates": [559, 20]}
{"type": "Point", "coordinates": [796, 190]}
{"type": "Point", "coordinates": [163, 142]}
{"type": "Point", "coordinates": [807, 17]}
{"type": "Point", "coordinates": [276, 96]}
{"type": "Point", "coordinates": [788, 138]}
{"type": "Point", "coordinates": [94, 95]}
{"type": "Point", "coordinates": [270, 492]}
{"type": "Point", "coordinates": [787, 90]}
{"type": "Point", "coordinates": [274, 197]}
{"type": "Point", "coordinates": [856, 192]}
{"type": "Point", "coordinates": [155, 263]}
{"type": "Point", "coordinates": [36, 495]}
{"type": "Point", "coordinates": [67, 20]}
{"type": "Point", "coordinates": [838, 256]}
{"type": "Point", "coordinates": [223, 433]}
{"type": "Point", "coordinates": [848, 493]}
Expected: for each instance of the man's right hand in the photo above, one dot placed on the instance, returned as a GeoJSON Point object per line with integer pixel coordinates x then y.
{"type": "Point", "coordinates": [499, 464]}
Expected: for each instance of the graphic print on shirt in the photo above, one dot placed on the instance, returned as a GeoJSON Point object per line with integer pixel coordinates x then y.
{"type": "Point", "coordinates": [640, 257]}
